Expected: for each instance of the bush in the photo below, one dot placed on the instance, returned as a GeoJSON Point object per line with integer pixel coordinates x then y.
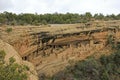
{"type": "Point", "coordinates": [105, 68]}
{"type": "Point", "coordinates": [11, 71]}
{"type": "Point", "coordinates": [8, 30]}
{"type": "Point", "coordinates": [2, 56]}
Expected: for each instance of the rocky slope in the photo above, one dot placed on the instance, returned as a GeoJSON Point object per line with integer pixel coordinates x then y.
{"type": "Point", "coordinates": [11, 52]}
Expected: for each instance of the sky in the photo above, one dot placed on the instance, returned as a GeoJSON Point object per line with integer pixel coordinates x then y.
{"type": "Point", "coordinates": [61, 6]}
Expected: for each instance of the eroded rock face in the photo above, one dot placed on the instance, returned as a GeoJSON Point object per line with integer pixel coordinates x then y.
{"type": "Point", "coordinates": [11, 52]}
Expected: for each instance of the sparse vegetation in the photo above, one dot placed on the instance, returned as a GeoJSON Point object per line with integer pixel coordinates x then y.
{"type": "Point", "coordinates": [11, 71]}
{"type": "Point", "coordinates": [104, 68]}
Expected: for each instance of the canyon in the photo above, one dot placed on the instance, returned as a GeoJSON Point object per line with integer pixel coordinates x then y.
{"type": "Point", "coordinates": [50, 48]}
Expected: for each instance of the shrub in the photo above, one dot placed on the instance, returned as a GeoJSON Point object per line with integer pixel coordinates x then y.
{"type": "Point", "coordinates": [105, 68]}
{"type": "Point", "coordinates": [8, 30]}
{"type": "Point", "coordinates": [11, 71]}
{"type": "Point", "coordinates": [2, 56]}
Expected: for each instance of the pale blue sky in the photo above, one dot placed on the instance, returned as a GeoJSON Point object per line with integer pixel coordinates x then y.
{"type": "Point", "coordinates": [61, 6]}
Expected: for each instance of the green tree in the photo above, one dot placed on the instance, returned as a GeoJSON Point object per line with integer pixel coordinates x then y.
{"type": "Point", "coordinates": [44, 22]}
{"type": "Point", "coordinates": [3, 19]}
{"type": "Point", "coordinates": [88, 16]}
{"type": "Point", "coordinates": [99, 16]}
